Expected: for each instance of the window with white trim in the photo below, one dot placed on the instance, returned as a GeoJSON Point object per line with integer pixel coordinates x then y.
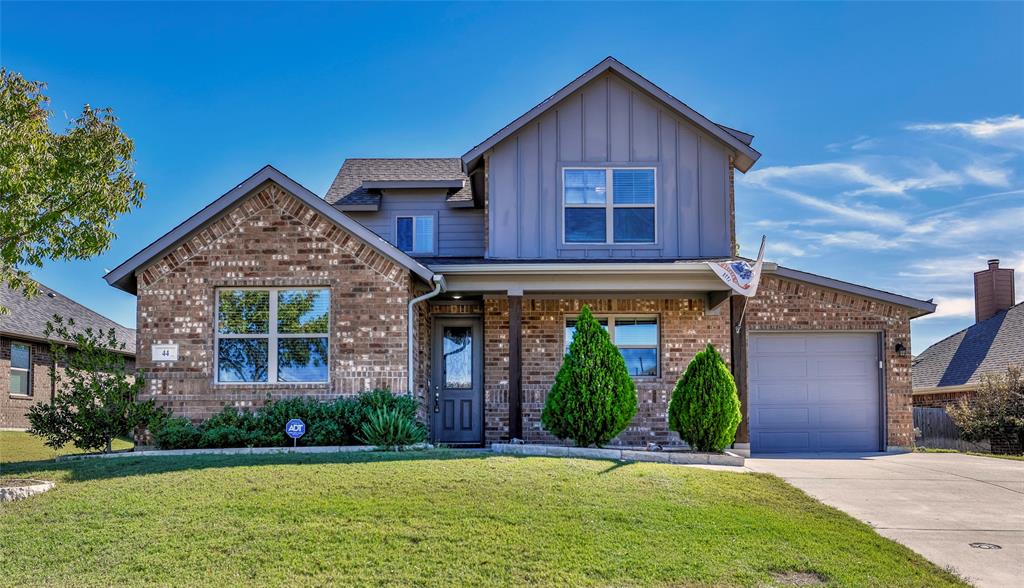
{"type": "Point", "coordinates": [609, 205]}
{"type": "Point", "coordinates": [415, 234]}
{"type": "Point", "coordinates": [21, 369]}
{"type": "Point", "coordinates": [636, 338]}
{"type": "Point", "coordinates": [277, 335]}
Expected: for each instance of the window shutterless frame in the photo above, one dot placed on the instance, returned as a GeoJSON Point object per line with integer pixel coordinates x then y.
{"type": "Point", "coordinates": [271, 335]}
{"type": "Point", "coordinates": [26, 371]}
{"type": "Point", "coordinates": [414, 218]}
{"type": "Point", "coordinates": [610, 206]}
{"type": "Point", "coordinates": [611, 319]}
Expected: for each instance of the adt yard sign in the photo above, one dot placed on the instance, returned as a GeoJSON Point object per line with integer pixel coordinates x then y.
{"type": "Point", "coordinates": [295, 429]}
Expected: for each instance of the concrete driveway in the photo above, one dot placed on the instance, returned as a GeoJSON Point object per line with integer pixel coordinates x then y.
{"type": "Point", "coordinates": [937, 504]}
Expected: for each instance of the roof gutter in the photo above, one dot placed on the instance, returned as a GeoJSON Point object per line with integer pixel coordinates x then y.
{"type": "Point", "coordinates": [439, 286]}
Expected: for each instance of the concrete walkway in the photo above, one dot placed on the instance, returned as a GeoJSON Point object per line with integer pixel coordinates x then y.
{"type": "Point", "coordinates": [937, 504]}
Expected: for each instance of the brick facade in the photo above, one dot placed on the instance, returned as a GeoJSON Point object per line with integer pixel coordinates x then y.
{"type": "Point", "coordinates": [270, 238]}
{"type": "Point", "coordinates": [14, 407]}
{"type": "Point", "coordinates": [684, 329]}
{"type": "Point", "coordinates": [941, 399]}
{"type": "Point", "coordinates": [787, 305]}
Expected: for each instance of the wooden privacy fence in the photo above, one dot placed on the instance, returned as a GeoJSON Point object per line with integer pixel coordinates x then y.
{"type": "Point", "coordinates": [937, 431]}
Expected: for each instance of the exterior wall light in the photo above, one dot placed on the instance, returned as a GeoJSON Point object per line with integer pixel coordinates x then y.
{"type": "Point", "coordinates": [901, 349]}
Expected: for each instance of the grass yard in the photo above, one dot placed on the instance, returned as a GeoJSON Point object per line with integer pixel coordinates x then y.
{"type": "Point", "coordinates": [975, 453]}
{"type": "Point", "coordinates": [439, 518]}
{"type": "Point", "coordinates": [16, 446]}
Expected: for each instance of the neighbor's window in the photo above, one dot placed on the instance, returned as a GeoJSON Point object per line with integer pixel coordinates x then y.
{"type": "Point", "coordinates": [21, 369]}
{"type": "Point", "coordinates": [272, 335]}
{"type": "Point", "coordinates": [609, 205]}
{"type": "Point", "coordinates": [636, 338]}
{"type": "Point", "coordinates": [415, 234]}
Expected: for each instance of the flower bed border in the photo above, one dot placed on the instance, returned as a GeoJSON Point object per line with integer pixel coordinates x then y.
{"type": "Point", "coordinates": [237, 451]}
{"type": "Point", "coordinates": [726, 458]}
{"type": "Point", "coordinates": [12, 493]}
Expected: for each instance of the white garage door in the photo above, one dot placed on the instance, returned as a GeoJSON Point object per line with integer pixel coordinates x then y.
{"type": "Point", "coordinates": [813, 392]}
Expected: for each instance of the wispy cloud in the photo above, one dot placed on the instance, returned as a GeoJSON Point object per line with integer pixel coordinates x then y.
{"type": "Point", "coordinates": [952, 307]}
{"type": "Point", "coordinates": [1002, 130]}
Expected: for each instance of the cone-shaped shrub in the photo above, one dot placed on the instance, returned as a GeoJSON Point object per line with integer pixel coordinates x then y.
{"type": "Point", "coordinates": [593, 398]}
{"type": "Point", "coordinates": [705, 409]}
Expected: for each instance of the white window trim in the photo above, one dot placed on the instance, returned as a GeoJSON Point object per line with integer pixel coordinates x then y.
{"type": "Point", "coordinates": [433, 241]}
{"type": "Point", "coordinates": [272, 336]}
{"type": "Point", "coordinates": [611, 318]}
{"type": "Point", "coordinates": [27, 371]}
{"type": "Point", "coordinates": [610, 206]}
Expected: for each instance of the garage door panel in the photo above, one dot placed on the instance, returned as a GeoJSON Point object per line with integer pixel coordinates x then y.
{"type": "Point", "coordinates": [782, 442]}
{"type": "Point", "coordinates": [842, 417]}
{"type": "Point", "coordinates": [781, 345]}
{"type": "Point", "coordinates": [781, 366]}
{"type": "Point", "coordinates": [844, 366]}
{"type": "Point", "coordinates": [783, 417]}
{"type": "Point", "coordinates": [783, 392]}
{"type": "Point", "coordinates": [813, 392]}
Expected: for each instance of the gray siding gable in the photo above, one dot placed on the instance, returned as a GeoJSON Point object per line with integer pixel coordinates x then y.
{"type": "Point", "coordinates": [609, 122]}
{"type": "Point", "coordinates": [459, 232]}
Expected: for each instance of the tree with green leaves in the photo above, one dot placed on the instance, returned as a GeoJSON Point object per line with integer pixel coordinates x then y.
{"type": "Point", "coordinates": [995, 412]}
{"type": "Point", "coordinates": [59, 192]}
{"type": "Point", "coordinates": [95, 397]}
{"type": "Point", "coordinates": [705, 408]}
{"type": "Point", "coordinates": [593, 398]}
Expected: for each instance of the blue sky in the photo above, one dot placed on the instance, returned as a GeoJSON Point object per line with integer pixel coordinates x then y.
{"type": "Point", "coordinates": [892, 134]}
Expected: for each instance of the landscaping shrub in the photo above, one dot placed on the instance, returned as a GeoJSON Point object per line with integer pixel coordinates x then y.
{"type": "Point", "coordinates": [95, 397]}
{"type": "Point", "coordinates": [995, 412]}
{"type": "Point", "coordinates": [337, 422]}
{"type": "Point", "coordinates": [389, 428]}
{"type": "Point", "coordinates": [593, 398]}
{"type": "Point", "coordinates": [174, 433]}
{"type": "Point", "coordinates": [705, 409]}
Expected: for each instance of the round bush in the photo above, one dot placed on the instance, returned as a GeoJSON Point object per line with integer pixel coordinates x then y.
{"type": "Point", "coordinates": [593, 398]}
{"type": "Point", "coordinates": [705, 409]}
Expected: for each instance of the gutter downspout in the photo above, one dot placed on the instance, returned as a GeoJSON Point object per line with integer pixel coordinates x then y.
{"type": "Point", "coordinates": [439, 286]}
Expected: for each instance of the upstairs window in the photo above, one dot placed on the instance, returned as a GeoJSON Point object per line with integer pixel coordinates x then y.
{"type": "Point", "coordinates": [415, 234]}
{"type": "Point", "coordinates": [636, 338]}
{"type": "Point", "coordinates": [272, 335]}
{"type": "Point", "coordinates": [609, 205]}
{"type": "Point", "coordinates": [21, 369]}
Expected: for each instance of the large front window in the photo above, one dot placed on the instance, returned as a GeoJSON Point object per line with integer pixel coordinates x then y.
{"type": "Point", "coordinates": [609, 205]}
{"type": "Point", "coordinates": [272, 335]}
{"type": "Point", "coordinates": [636, 338]}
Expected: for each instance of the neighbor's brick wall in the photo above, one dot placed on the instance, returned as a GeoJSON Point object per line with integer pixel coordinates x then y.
{"type": "Point", "coordinates": [940, 399]}
{"type": "Point", "coordinates": [684, 329]}
{"type": "Point", "coordinates": [270, 238]}
{"type": "Point", "coordinates": [782, 305]}
{"type": "Point", "coordinates": [14, 408]}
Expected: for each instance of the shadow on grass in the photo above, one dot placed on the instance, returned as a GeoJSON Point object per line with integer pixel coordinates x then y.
{"type": "Point", "coordinates": [119, 467]}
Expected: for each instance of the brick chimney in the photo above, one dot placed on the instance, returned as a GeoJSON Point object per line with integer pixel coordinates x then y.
{"type": "Point", "coordinates": [993, 290]}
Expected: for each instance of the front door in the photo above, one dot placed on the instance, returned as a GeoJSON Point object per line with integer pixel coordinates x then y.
{"type": "Point", "coordinates": [457, 381]}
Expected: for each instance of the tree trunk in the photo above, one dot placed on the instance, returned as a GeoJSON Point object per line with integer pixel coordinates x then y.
{"type": "Point", "coordinates": [110, 446]}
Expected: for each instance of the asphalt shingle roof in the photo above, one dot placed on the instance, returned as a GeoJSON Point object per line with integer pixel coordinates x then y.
{"type": "Point", "coordinates": [28, 317]}
{"type": "Point", "coordinates": [347, 186]}
{"type": "Point", "coordinates": [988, 347]}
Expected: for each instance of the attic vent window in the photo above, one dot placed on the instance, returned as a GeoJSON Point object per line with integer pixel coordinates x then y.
{"type": "Point", "coordinates": [415, 234]}
{"type": "Point", "coordinates": [609, 205]}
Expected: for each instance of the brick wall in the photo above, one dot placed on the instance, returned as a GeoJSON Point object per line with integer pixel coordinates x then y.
{"type": "Point", "coordinates": [684, 329]}
{"type": "Point", "coordinates": [14, 407]}
{"type": "Point", "coordinates": [782, 305]}
{"type": "Point", "coordinates": [270, 238]}
{"type": "Point", "coordinates": [940, 399]}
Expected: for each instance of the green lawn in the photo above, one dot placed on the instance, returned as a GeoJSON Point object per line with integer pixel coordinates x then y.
{"type": "Point", "coordinates": [975, 453]}
{"type": "Point", "coordinates": [439, 518]}
{"type": "Point", "coordinates": [16, 447]}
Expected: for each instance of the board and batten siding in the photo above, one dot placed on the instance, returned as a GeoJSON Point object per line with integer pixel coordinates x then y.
{"type": "Point", "coordinates": [459, 231]}
{"type": "Point", "coordinates": [609, 122]}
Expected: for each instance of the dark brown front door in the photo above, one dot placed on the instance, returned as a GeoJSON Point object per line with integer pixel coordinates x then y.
{"type": "Point", "coordinates": [457, 381]}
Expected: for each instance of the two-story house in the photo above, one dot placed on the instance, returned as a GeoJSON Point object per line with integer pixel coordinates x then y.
{"type": "Point", "coordinates": [459, 279]}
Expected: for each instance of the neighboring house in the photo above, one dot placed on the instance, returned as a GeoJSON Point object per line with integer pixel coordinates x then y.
{"type": "Point", "coordinates": [459, 280]}
{"type": "Point", "coordinates": [952, 368]}
{"type": "Point", "coordinates": [25, 358]}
